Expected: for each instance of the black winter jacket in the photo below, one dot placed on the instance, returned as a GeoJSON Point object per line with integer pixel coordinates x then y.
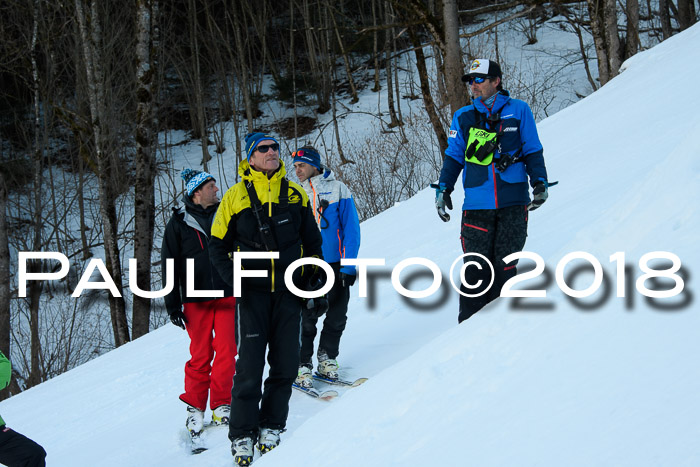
{"type": "Point", "coordinates": [187, 236]}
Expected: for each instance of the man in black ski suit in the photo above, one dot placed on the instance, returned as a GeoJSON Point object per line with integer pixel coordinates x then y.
{"type": "Point", "coordinates": [264, 212]}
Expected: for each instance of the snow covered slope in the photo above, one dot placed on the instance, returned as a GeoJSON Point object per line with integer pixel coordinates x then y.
{"type": "Point", "coordinates": [609, 381]}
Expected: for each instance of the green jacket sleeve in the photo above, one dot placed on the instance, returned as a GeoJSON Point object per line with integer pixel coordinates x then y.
{"type": "Point", "coordinates": [5, 371]}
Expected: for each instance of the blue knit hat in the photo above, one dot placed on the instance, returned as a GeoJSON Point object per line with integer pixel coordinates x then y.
{"type": "Point", "coordinates": [252, 140]}
{"type": "Point", "coordinates": [194, 179]}
{"type": "Point", "coordinates": [308, 155]}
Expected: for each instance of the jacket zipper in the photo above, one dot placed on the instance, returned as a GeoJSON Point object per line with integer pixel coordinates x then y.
{"type": "Point", "coordinates": [269, 210]}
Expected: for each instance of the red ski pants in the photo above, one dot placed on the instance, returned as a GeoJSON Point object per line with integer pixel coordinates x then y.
{"type": "Point", "coordinates": [211, 327]}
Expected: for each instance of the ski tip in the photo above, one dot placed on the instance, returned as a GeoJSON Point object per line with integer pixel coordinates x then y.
{"type": "Point", "coordinates": [358, 381]}
{"type": "Point", "coordinates": [328, 395]}
{"type": "Point", "coordinates": [198, 450]}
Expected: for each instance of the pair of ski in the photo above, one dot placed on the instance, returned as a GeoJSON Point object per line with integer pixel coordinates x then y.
{"type": "Point", "coordinates": [330, 394]}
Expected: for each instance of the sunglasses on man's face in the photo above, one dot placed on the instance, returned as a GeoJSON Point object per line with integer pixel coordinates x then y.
{"type": "Point", "coordinates": [264, 147]}
{"type": "Point", "coordinates": [477, 80]}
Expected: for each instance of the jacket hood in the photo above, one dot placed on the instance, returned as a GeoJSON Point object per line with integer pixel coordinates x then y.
{"type": "Point", "coordinates": [327, 175]}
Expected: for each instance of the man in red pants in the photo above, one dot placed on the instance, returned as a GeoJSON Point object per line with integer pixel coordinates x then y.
{"type": "Point", "coordinates": [210, 320]}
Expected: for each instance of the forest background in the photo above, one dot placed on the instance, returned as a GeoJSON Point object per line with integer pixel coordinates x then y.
{"type": "Point", "coordinates": [91, 93]}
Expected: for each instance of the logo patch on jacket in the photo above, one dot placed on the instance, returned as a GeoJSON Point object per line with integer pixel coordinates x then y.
{"type": "Point", "coordinates": [294, 198]}
{"type": "Point", "coordinates": [453, 133]}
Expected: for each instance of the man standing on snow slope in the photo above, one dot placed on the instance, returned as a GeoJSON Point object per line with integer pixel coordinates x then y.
{"type": "Point", "coordinates": [494, 142]}
{"type": "Point", "coordinates": [264, 212]}
{"type": "Point", "coordinates": [210, 321]}
{"type": "Point", "coordinates": [336, 216]}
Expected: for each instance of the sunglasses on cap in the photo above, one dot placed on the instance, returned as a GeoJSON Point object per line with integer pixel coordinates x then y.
{"type": "Point", "coordinates": [264, 147]}
{"type": "Point", "coordinates": [299, 153]}
{"type": "Point", "coordinates": [478, 80]}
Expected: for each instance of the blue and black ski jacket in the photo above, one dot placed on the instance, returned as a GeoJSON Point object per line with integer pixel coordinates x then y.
{"type": "Point", "coordinates": [485, 187]}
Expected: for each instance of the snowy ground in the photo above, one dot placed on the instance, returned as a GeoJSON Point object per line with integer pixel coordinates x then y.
{"type": "Point", "coordinates": [615, 383]}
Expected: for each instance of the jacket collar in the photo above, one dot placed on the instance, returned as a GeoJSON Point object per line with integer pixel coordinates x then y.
{"type": "Point", "coordinates": [502, 98]}
{"type": "Point", "coordinates": [248, 173]}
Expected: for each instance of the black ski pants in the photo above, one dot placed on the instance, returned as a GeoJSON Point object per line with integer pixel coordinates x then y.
{"type": "Point", "coordinates": [16, 450]}
{"type": "Point", "coordinates": [493, 233]}
{"type": "Point", "coordinates": [265, 321]}
{"type": "Point", "coordinates": [333, 323]}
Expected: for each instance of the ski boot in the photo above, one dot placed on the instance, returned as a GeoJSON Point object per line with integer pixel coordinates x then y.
{"type": "Point", "coordinates": [242, 450]}
{"type": "Point", "coordinates": [195, 421]}
{"type": "Point", "coordinates": [304, 378]}
{"type": "Point", "coordinates": [220, 415]}
{"type": "Point", "coordinates": [327, 367]}
{"type": "Point", "coordinates": [269, 439]}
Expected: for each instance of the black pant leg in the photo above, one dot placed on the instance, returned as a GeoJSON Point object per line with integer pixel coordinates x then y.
{"type": "Point", "coordinates": [253, 311]}
{"type": "Point", "coordinates": [336, 317]}
{"type": "Point", "coordinates": [283, 358]}
{"type": "Point", "coordinates": [478, 233]}
{"type": "Point", "coordinates": [18, 450]}
{"type": "Point", "coordinates": [511, 233]}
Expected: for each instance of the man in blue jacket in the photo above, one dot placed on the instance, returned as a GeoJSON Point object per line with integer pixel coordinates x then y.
{"type": "Point", "coordinates": [336, 216]}
{"type": "Point", "coordinates": [494, 143]}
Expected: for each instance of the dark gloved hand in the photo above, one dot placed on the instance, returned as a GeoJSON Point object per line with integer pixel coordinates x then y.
{"type": "Point", "coordinates": [346, 279]}
{"type": "Point", "coordinates": [539, 196]}
{"type": "Point", "coordinates": [178, 318]}
{"type": "Point", "coordinates": [317, 307]}
{"type": "Point", "coordinates": [442, 201]}
{"type": "Point", "coordinates": [314, 282]}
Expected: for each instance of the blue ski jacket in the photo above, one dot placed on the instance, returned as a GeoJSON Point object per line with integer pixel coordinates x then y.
{"type": "Point", "coordinates": [336, 216]}
{"type": "Point", "coordinates": [485, 187]}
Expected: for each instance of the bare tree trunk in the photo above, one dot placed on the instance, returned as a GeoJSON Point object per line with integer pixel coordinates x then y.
{"type": "Point", "coordinates": [686, 14]}
{"type": "Point", "coordinates": [336, 130]}
{"type": "Point", "coordinates": [4, 278]}
{"type": "Point", "coordinates": [665, 17]}
{"type": "Point", "coordinates": [595, 12]}
{"type": "Point", "coordinates": [575, 22]}
{"type": "Point", "coordinates": [35, 287]}
{"type": "Point", "coordinates": [375, 44]}
{"type": "Point", "coordinates": [144, 198]}
{"type": "Point", "coordinates": [454, 68]}
{"type": "Point", "coordinates": [257, 12]}
{"type": "Point", "coordinates": [612, 37]}
{"type": "Point", "coordinates": [389, 81]}
{"type": "Point", "coordinates": [201, 122]}
{"type": "Point", "coordinates": [240, 65]}
{"type": "Point", "coordinates": [346, 60]}
{"type": "Point", "coordinates": [632, 41]}
{"type": "Point", "coordinates": [425, 91]}
{"type": "Point", "coordinates": [90, 35]}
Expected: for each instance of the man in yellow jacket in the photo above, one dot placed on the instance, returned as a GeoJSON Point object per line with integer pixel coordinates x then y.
{"type": "Point", "coordinates": [15, 448]}
{"type": "Point", "coordinates": [263, 213]}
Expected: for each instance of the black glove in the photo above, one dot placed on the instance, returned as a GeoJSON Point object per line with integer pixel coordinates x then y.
{"type": "Point", "coordinates": [317, 307]}
{"type": "Point", "coordinates": [346, 280]}
{"type": "Point", "coordinates": [178, 318]}
{"type": "Point", "coordinates": [314, 281]}
{"type": "Point", "coordinates": [442, 200]}
{"type": "Point", "coordinates": [539, 196]}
